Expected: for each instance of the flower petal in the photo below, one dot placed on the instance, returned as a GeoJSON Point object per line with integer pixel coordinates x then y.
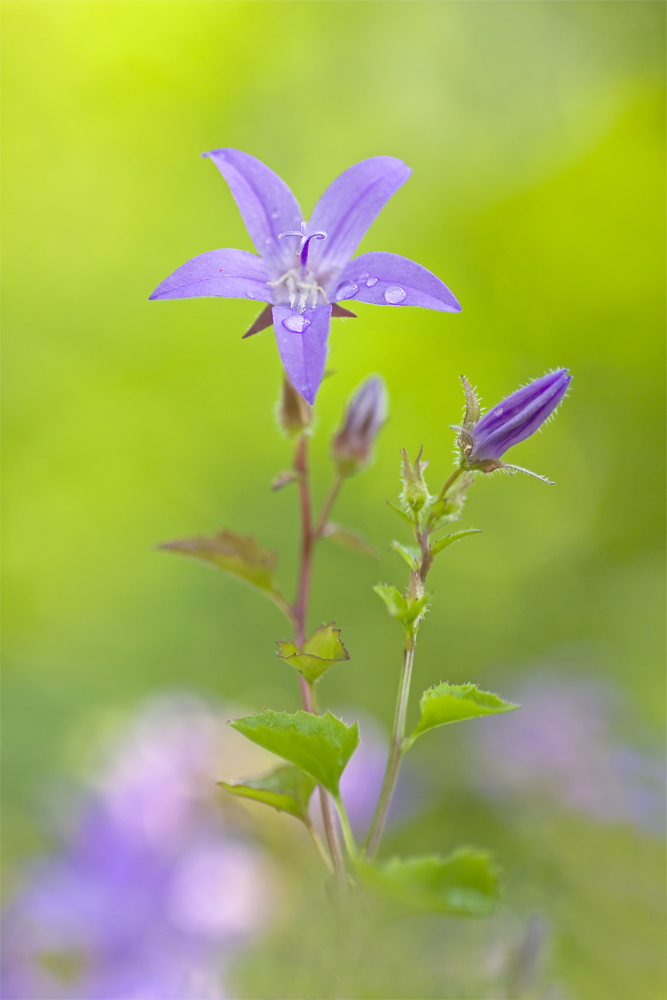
{"type": "Point", "coordinates": [266, 204]}
{"type": "Point", "coordinates": [389, 279]}
{"type": "Point", "coordinates": [347, 208]}
{"type": "Point", "coordinates": [304, 354]}
{"type": "Point", "coordinates": [519, 415]}
{"type": "Point", "coordinates": [231, 274]}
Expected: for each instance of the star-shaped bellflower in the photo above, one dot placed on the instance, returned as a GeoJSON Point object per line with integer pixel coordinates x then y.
{"type": "Point", "coordinates": [304, 269]}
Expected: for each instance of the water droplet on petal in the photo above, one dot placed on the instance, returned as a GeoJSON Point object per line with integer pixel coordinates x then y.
{"type": "Point", "coordinates": [371, 282]}
{"type": "Point", "coordinates": [268, 240]}
{"type": "Point", "coordinates": [346, 290]}
{"type": "Point", "coordinates": [250, 295]}
{"type": "Point", "coordinates": [498, 412]}
{"type": "Point", "coordinates": [394, 295]}
{"type": "Point", "coordinates": [296, 323]}
{"type": "Point", "coordinates": [363, 276]}
{"type": "Point", "coordinates": [274, 215]}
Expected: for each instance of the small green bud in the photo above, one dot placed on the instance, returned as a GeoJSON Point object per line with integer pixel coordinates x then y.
{"type": "Point", "coordinates": [295, 415]}
{"type": "Point", "coordinates": [456, 496]}
{"type": "Point", "coordinates": [415, 491]}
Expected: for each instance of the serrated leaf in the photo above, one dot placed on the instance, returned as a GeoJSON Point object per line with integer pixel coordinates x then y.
{"type": "Point", "coordinates": [350, 540]}
{"type": "Point", "coordinates": [473, 410]}
{"type": "Point", "coordinates": [447, 703]}
{"type": "Point", "coordinates": [406, 517]}
{"type": "Point", "coordinates": [239, 555]}
{"type": "Point", "coordinates": [465, 883]}
{"type": "Point", "coordinates": [398, 607]}
{"type": "Point", "coordinates": [410, 553]}
{"type": "Point", "coordinates": [456, 536]}
{"type": "Point", "coordinates": [318, 653]}
{"type": "Point", "coordinates": [321, 745]}
{"type": "Point", "coordinates": [287, 789]}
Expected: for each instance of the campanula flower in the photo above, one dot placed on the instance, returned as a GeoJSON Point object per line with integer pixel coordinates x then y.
{"type": "Point", "coordinates": [483, 441]}
{"type": "Point", "coordinates": [366, 412]}
{"type": "Point", "coordinates": [305, 269]}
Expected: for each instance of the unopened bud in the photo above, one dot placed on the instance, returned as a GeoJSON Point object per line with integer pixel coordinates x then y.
{"type": "Point", "coordinates": [294, 414]}
{"type": "Point", "coordinates": [352, 445]}
{"type": "Point", "coordinates": [415, 491]}
{"type": "Point", "coordinates": [455, 498]}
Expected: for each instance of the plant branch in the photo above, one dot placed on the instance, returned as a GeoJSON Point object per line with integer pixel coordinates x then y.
{"type": "Point", "coordinates": [395, 750]}
{"type": "Point", "coordinates": [327, 506]}
{"type": "Point", "coordinates": [308, 537]}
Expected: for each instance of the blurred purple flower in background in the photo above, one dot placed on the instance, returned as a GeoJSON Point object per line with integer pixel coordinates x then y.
{"type": "Point", "coordinates": [302, 281]}
{"type": "Point", "coordinates": [560, 745]}
{"type": "Point", "coordinates": [150, 891]}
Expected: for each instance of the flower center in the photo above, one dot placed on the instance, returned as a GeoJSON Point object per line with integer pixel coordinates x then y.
{"type": "Point", "coordinates": [305, 238]}
{"type": "Point", "coordinates": [299, 282]}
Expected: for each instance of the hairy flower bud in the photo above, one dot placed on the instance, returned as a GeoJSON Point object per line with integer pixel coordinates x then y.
{"type": "Point", "coordinates": [415, 491]}
{"type": "Point", "coordinates": [352, 446]}
{"type": "Point", "coordinates": [513, 420]}
{"type": "Point", "coordinates": [294, 414]}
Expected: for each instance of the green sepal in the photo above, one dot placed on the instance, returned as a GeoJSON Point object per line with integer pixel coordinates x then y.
{"type": "Point", "coordinates": [410, 553]}
{"type": "Point", "coordinates": [442, 543]}
{"type": "Point", "coordinates": [350, 539]}
{"type": "Point", "coordinates": [464, 884]}
{"type": "Point", "coordinates": [402, 513]}
{"type": "Point", "coordinates": [239, 555]}
{"type": "Point", "coordinates": [398, 607]}
{"type": "Point", "coordinates": [321, 745]}
{"type": "Point", "coordinates": [318, 653]}
{"type": "Point", "coordinates": [447, 703]}
{"type": "Point", "coordinates": [287, 789]}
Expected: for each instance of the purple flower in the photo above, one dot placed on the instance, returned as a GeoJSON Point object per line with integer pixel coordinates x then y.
{"type": "Point", "coordinates": [366, 413]}
{"type": "Point", "coordinates": [561, 746]}
{"type": "Point", "coordinates": [515, 418]}
{"type": "Point", "coordinates": [305, 269]}
{"type": "Point", "coordinates": [150, 892]}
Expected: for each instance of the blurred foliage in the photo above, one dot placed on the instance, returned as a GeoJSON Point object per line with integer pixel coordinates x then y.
{"type": "Point", "coordinates": [536, 137]}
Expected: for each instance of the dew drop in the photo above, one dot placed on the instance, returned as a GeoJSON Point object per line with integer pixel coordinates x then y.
{"type": "Point", "coordinates": [394, 295]}
{"type": "Point", "coordinates": [274, 215]}
{"type": "Point", "coordinates": [371, 282]}
{"type": "Point", "coordinates": [296, 323]}
{"type": "Point", "coordinates": [268, 240]}
{"type": "Point", "coordinates": [363, 276]}
{"type": "Point", "coordinates": [498, 412]}
{"type": "Point", "coordinates": [346, 290]}
{"type": "Point", "coordinates": [250, 295]}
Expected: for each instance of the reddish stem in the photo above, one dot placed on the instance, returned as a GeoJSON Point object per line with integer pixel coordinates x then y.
{"type": "Point", "coordinates": [308, 538]}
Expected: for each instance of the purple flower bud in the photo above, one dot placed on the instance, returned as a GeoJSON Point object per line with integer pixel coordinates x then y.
{"type": "Point", "coordinates": [366, 413]}
{"type": "Point", "coordinates": [513, 420]}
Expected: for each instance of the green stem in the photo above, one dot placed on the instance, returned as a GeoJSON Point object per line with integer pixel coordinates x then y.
{"type": "Point", "coordinates": [348, 836]}
{"type": "Point", "coordinates": [320, 846]}
{"type": "Point", "coordinates": [395, 750]}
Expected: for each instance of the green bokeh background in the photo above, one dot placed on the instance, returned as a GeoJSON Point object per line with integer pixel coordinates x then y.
{"type": "Point", "coordinates": [536, 136]}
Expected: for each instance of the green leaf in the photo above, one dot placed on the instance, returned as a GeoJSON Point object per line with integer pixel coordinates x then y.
{"type": "Point", "coordinates": [410, 553]}
{"type": "Point", "coordinates": [321, 745]}
{"type": "Point", "coordinates": [350, 540]}
{"type": "Point", "coordinates": [442, 543]}
{"type": "Point", "coordinates": [318, 653]}
{"type": "Point", "coordinates": [406, 517]}
{"type": "Point", "coordinates": [447, 703]}
{"type": "Point", "coordinates": [287, 789]}
{"type": "Point", "coordinates": [238, 555]}
{"type": "Point", "coordinates": [465, 883]}
{"type": "Point", "coordinates": [398, 607]}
